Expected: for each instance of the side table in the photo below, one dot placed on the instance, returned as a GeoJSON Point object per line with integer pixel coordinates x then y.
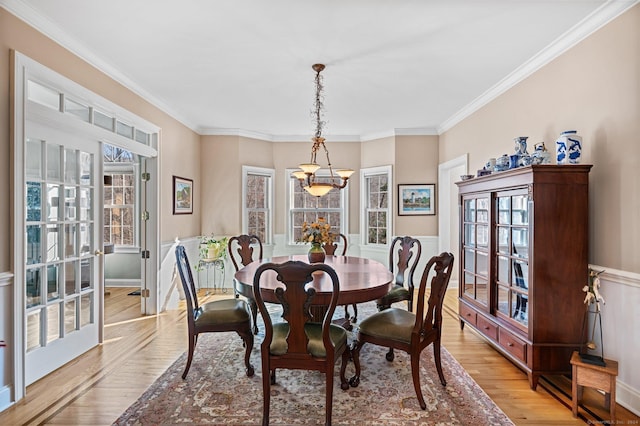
{"type": "Point", "coordinates": [216, 264]}
{"type": "Point", "coordinates": [594, 376]}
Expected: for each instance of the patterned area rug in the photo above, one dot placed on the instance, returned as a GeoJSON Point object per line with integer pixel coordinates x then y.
{"type": "Point", "coordinates": [218, 392]}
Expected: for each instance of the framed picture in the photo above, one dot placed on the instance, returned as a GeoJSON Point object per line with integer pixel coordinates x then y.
{"type": "Point", "coordinates": [417, 199]}
{"type": "Point", "coordinates": [182, 195]}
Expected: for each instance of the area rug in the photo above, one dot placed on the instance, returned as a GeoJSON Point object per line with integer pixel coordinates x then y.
{"type": "Point", "coordinates": [217, 391]}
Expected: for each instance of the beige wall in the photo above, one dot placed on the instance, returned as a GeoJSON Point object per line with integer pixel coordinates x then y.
{"type": "Point", "coordinates": [593, 88]}
{"type": "Point", "coordinates": [179, 146]}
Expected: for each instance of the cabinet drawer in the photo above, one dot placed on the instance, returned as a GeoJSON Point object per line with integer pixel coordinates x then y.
{"type": "Point", "coordinates": [468, 314]}
{"type": "Point", "coordinates": [513, 345]}
{"type": "Point", "coordinates": [487, 328]}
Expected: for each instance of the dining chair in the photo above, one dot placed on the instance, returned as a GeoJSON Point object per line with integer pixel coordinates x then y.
{"type": "Point", "coordinates": [331, 249]}
{"type": "Point", "coordinates": [408, 331]}
{"type": "Point", "coordinates": [212, 317]}
{"type": "Point", "coordinates": [242, 252]}
{"type": "Point", "coordinates": [300, 341]}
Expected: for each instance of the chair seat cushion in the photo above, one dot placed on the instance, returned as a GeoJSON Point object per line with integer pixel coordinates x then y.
{"type": "Point", "coordinates": [392, 323]}
{"type": "Point", "coordinates": [226, 311]}
{"type": "Point", "coordinates": [397, 294]}
{"type": "Point", "coordinates": [313, 330]}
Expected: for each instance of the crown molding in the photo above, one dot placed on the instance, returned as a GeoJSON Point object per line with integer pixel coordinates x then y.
{"type": "Point", "coordinates": [590, 24]}
{"type": "Point", "coordinates": [219, 131]}
{"type": "Point", "coordinates": [33, 18]}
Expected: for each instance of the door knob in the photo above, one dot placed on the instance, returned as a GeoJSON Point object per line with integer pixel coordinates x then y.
{"type": "Point", "coordinates": [98, 253]}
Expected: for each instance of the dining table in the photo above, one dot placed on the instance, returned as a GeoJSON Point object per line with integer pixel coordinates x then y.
{"type": "Point", "coordinates": [361, 280]}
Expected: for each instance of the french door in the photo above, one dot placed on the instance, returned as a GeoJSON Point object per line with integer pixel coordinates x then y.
{"type": "Point", "coordinates": [62, 261]}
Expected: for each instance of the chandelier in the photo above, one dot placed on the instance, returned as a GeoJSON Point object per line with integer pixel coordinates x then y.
{"type": "Point", "coordinates": [307, 173]}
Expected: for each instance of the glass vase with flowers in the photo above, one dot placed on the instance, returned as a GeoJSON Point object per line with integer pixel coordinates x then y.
{"type": "Point", "coordinates": [316, 233]}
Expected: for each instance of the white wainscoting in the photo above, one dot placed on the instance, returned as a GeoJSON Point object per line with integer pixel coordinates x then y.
{"type": "Point", "coordinates": [6, 332]}
{"type": "Point", "coordinates": [620, 325]}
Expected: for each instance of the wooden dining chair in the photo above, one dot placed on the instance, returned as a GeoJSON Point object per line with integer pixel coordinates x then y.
{"type": "Point", "coordinates": [408, 331]}
{"type": "Point", "coordinates": [211, 317]}
{"type": "Point", "coordinates": [332, 250]}
{"type": "Point", "coordinates": [242, 252]}
{"type": "Point", "coordinates": [300, 341]}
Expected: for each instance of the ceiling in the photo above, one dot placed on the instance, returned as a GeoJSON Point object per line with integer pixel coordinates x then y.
{"type": "Point", "coordinates": [405, 67]}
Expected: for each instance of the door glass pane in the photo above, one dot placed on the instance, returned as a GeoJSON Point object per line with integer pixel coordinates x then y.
{"type": "Point", "coordinates": [503, 300]}
{"type": "Point", "coordinates": [469, 280]}
{"type": "Point", "coordinates": [469, 235]}
{"type": "Point", "coordinates": [52, 243]}
{"type": "Point", "coordinates": [34, 201]}
{"type": "Point", "coordinates": [70, 277]}
{"type": "Point", "coordinates": [469, 260]}
{"type": "Point", "coordinates": [483, 236]}
{"type": "Point", "coordinates": [53, 322]}
{"type": "Point", "coordinates": [34, 330]}
{"type": "Point", "coordinates": [34, 253]}
{"type": "Point", "coordinates": [519, 307]}
{"type": "Point", "coordinates": [34, 287]}
{"type": "Point", "coordinates": [504, 204]}
{"type": "Point", "coordinates": [86, 312]}
{"type": "Point", "coordinates": [70, 203]}
{"type": "Point", "coordinates": [70, 316]}
{"type": "Point", "coordinates": [482, 262]}
{"type": "Point", "coordinates": [86, 168]}
{"type": "Point", "coordinates": [85, 203]}
{"type": "Point", "coordinates": [53, 290]}
{"type": "Point", "coordinates": [53, 201]}
{"type": "Point", "coordinates": [86, 233]}
{"type": "Point", "coordinates": [33, 159]}
{"type": "Point", "coordinates": [85, 274]}
{"type": "Point", "coordinates": [503, 269]}
{"type": "Point", "coordinates": [482, 295]}
{"type": "Point", "coordinates": [503, 240]}
{"type": "Point", "coordinates": [70, 165]}
{"type": "Point", "coordinates": [70, 248]}
{"type": "Point", "coordinates": [470, 210]}
{"type": "Point", "coordinates": [54, 169]}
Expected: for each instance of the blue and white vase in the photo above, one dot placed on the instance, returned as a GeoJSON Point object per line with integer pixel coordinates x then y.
{"type": "Point", "coordinates": [568, 148]}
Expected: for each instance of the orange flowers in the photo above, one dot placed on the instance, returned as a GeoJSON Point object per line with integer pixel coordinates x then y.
{"type": "Point", "coordinates": [316, 232]}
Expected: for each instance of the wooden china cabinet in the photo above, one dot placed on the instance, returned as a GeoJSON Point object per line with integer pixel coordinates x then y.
{"type": "Point", "coordinates": [523, 263]}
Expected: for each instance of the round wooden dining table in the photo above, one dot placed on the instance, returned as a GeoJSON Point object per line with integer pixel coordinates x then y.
{"type": "Point", "coordinates": [361, 280]}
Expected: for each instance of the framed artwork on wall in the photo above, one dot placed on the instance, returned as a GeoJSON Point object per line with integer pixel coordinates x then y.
{"type": "Point", "coordinates": [182, 195]}
{"type": "Point", "coordinates": [417, 199]}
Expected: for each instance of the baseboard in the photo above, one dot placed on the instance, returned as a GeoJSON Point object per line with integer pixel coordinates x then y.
{"type": "Point", "coordinates": [121, 282]}
{"type": "Point", "coordinates": [628, 397]}
{"type": "Point", "coordinates": [5, 397]}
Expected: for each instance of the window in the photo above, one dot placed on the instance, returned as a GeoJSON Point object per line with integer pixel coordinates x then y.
{"type": "Point", "coordinates": [304, 207]}
{"type": "Point", "coordinates": [376, 199]}
{"type": "Point", "coordinates": [258, 200]}
{"type": "Point", "coordinates": [121, 167]}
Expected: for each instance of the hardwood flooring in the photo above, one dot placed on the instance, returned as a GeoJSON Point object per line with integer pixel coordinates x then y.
{"type": "Point", "coordinates": [98, 386]}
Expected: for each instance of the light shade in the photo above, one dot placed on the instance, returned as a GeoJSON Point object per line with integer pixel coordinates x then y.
{"type": "Point", "coordinates": [299, 174]}
{"type": "Point", "coordinates": [345, 173]}
{"type": "Point", "coordinates": [318, 189]}
{"type": "Point", "coordinates": [309, 167]}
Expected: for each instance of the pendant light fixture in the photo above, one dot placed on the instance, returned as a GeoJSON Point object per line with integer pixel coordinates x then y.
{"type": "Point", "coordinates": [307, 173]}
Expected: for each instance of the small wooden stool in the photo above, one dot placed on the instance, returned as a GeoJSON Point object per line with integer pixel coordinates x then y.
{"type": "Point", "coordinates": [594, 376]}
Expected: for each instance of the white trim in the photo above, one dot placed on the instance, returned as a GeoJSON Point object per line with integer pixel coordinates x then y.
{"type": "Point", "coordinates": [6, 279]}
{"type": "Point", "coordinates": [122, 282]}
{"type": "Point", "coordinates": [445, 200]}
{"type": "Point", "coordinates": [262, 171]}
{"type": "Point", "coordinates": [630, 279]}
{"type": "Point", "coordinates": [574, 35]}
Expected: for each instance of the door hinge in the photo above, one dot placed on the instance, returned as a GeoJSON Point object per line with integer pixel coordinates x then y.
{"type": "Point", "coordinates": [145, 254]}
{"type": "Point", "coordinates": [146, 176]}
{"type": "Point", "coordinates": [144, 292]}
{"type": "Point", "coordinates": [145, 215]}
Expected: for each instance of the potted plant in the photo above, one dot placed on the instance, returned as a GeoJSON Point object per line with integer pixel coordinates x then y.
{"type": "Point", "coordinates": [212, 248]}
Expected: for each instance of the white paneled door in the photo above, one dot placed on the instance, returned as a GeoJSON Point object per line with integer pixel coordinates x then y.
{"type": "Point", "coordinates": [62, 294]}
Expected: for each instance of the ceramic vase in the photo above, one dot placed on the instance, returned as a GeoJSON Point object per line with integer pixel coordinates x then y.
{"type": "Point", "coordinates": [316, 253]}
{"type": "Point", "coordinates": [568, 148]}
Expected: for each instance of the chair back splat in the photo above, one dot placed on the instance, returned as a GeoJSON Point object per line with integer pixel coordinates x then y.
{"type": "Point", "coordinates": [216, 316]}
{"type": "Point", "coordinates": [408, 331]}
{"type": "Point", "coordinates": [242, 252]}
{"type": "Point", "coordinates": [332, 248]}
{"type": "Point", "coordinates": [404, 256]}
{"type": "Point", "coordinates": [300, 341]}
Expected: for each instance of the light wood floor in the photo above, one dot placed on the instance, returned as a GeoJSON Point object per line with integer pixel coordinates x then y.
{"type": "Point", "coordinates": [97, 387]}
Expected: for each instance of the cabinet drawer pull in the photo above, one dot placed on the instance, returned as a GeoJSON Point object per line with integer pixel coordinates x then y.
{"type": "Point", "coordinates": [509, 344]}
{"type": "Point", "coordinates": [486, 327]}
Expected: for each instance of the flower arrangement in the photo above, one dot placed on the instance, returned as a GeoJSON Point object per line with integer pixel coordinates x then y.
{"type": "Point", "coordinates": [592, 290]}
{"type": "Point", "coordinates": [316, 232]}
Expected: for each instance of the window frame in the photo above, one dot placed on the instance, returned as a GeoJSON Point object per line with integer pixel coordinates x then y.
{"type": "Point", "coordinates": [270, 174]}
{"type": "Point", "coordinates": [343, 210]}
{"type": "Point", "coordinates": [365, 174]}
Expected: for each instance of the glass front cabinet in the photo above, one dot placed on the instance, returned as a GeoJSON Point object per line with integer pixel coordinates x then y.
{"type": "Point", "coordinates": [523, 263]}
